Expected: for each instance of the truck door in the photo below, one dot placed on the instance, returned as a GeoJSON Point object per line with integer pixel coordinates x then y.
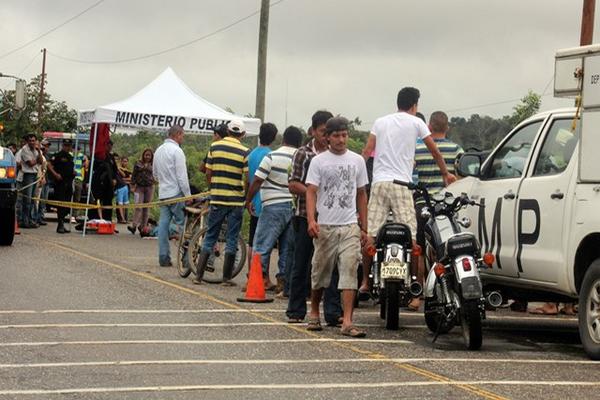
{"type": "Point", "coordinates": [498, 189]}
{"type": "Point", "coordinates": [543, 197]}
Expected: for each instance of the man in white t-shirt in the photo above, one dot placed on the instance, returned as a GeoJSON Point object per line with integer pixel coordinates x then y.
{"type": "Point", "coordinates": [336, 190]}
{"type": "Point", "coordinates": [394, 138]}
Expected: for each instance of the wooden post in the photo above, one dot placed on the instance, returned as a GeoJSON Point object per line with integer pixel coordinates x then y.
{"type": "Point", "coordinates": [41, 99]}
{"type": "Point", "coordinates": [261, 74]}
{"type": "Point", "coordinates": [587, 22]}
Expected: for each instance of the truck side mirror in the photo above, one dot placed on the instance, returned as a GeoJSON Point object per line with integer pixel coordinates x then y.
{"type": "Point", "coordinates": [469, 165]}
{"type": "Point", "coordinates": [20, 94]}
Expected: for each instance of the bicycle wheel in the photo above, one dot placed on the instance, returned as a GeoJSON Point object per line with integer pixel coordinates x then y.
{"type": "Point", "coordinates": [183, 268]}
{"type": "Point", "coordinates": [194, 247]}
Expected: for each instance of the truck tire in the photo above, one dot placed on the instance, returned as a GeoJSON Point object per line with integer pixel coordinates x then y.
{"type": "Point", "coordinates": [589, 311]}
{"type": "Point", "coordinates": [7, 226]}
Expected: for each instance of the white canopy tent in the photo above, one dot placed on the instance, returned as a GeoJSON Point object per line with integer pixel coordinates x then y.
{"type": "Point", "coordinates": [164, 102]}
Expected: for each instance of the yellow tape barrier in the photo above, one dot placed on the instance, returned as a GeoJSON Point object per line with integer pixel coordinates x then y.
{"type": "Point", "coordinates": [82, 206]}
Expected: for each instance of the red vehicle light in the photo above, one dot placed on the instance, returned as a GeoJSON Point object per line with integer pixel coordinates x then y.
{"type": "Point", "coordinates": [466, 264]}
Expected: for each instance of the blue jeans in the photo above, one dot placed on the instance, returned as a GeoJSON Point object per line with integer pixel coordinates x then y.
{"type": "Point", "coordinates": [26, 202]}
{"type": "Point", "coordinates": [300, 278]}
{"type": "Point", "coordinates": [167, 213]}
{"type": "Point", "coordinates": [217, 215]}
{"type": "Point", "coordinates": [274, 225]}
{"type": "Point", "coordinates": [41, 208]}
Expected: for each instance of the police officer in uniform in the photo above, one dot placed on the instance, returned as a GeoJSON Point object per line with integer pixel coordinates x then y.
{"type": "Point", "coordinates": [62, 168]}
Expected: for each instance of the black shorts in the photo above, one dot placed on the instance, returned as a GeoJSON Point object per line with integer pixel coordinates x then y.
{"type": "Point", "coordinates": [253, 223]}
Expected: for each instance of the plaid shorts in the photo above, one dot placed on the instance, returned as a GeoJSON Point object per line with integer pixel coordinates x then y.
{"type": "Point", "coordinates": [386, 197]}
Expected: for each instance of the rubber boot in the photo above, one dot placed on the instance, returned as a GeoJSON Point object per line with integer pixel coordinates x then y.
{"type": "Point", "coordinates": [200, 267]}
{"type": "Point", "coordinates": [228, 269]}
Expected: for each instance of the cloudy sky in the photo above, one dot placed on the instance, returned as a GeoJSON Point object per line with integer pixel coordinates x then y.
{"type": "Point", "coordinates": [348, 56]}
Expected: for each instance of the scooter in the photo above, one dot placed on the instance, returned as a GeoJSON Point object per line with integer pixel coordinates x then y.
{"type": "Point", "coordinates": [453, 289]}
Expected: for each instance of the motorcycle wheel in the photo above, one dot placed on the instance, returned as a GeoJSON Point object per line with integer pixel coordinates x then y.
{"type": "Point", "coordinates": [382, 301]}
{"type": "Point", "coordinates": [470, 318]}
{"type": "Point", "coordinates": [433, 318]}
{"type": "Point", "coordinates": [392, 307]}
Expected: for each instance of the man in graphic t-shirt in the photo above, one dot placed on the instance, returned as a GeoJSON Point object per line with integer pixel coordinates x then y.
{"type": "Point", "coordinates": [336, 181]}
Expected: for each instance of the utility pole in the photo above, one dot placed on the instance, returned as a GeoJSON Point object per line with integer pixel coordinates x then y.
{"type": "Point", "coordinates": [587, 22]}
{"type": "Point", "coordinates": [261, 74]}
{"type": "Point", "coordinates": [41, 99]}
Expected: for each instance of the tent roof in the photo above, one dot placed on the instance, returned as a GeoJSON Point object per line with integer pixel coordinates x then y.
{"type": "Point", "coordinates": [168, 95]}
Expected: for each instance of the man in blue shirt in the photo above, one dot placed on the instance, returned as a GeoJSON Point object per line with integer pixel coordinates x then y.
{"type": "Point", "coordinates": [266, 136]}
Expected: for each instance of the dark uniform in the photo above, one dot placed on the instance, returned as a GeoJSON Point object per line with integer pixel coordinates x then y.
{"type": "Point", "coordinates": [63, 164]}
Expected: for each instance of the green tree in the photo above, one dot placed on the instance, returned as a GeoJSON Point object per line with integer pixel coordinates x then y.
{"type": "Point", "coordinates": [530, 104]}
{"type": "Point", "coordinates": [56, 115]}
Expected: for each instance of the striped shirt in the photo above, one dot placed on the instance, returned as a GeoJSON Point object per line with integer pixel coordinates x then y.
{"type": "Point", "coordinates": [428, 170]}
{"type": "Point", "coordinates": [228, 161]}
{"type": "Point", "coordinates": [274, 169]}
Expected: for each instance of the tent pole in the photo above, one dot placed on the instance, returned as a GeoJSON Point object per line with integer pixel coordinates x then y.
{"type": "Point", "coordinates": [73, 183]}
{"type": "Point", "coordinates": [89, 193]}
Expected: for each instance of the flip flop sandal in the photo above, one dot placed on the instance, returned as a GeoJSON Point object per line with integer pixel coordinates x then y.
{"type": "Point", "coordinates": [353, 332]}
{"type": "Point", "coordinates": [314, 325]}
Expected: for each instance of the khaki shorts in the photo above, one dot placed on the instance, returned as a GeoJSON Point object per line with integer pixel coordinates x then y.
{"type": "Point", "coordinates": [386, 197]}
{"type": "Point", "coordinates": [336, 245]}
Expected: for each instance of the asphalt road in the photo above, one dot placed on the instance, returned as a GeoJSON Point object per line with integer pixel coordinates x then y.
{"type": "Point", "coordinates": [96, 318]}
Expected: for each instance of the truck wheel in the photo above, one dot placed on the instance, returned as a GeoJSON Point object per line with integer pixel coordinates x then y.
{"type": "Point", "coordinates": [7, 226]}
{"type": "Point", "coordinates": [392, 297]}
{"type": "Point", "coordinates": [589, 311]}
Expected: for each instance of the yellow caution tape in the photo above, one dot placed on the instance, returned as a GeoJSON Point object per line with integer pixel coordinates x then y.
{"type": "Point", "coordinates": [82, 206]}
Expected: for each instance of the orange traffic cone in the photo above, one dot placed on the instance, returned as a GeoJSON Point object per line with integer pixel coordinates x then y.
{"type": "Point", "coordinates": [255, 290]}
{"type": "Point", "coordinates": [17, 231]}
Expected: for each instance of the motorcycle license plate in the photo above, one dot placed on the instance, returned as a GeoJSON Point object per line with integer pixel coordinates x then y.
{"type": "Point", "coordinates": [393, 270]}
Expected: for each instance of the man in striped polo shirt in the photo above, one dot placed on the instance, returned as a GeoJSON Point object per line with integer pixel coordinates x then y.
{"type": "Point", "coordinates": [227, 175]}
{"type": "Point", "coordinates": [428, 172]}
{"type": "Point", "coordinates": [274, 223]}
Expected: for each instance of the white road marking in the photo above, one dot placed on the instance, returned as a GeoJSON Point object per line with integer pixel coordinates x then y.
{"type": "Point", "coordinates": [260, 310]}
{"type": "Point", "coordinates": [159, 325]}
{"type": "Point", "coordinates": [122, 363]}
{"type": "Point", "coordinates": [180, 342]}
{"type": "Point", "coordinates": [300, 386]}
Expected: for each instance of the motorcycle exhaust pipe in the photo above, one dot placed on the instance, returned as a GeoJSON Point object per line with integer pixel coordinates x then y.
{"type": "Point", "coordinates": [415, 289]}
{"type": "Point", "coordinates": [494, 299]}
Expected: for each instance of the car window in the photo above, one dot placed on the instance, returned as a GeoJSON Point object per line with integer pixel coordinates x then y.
{"type": "Point", "coordinates": [558, 148]}
{"type": "Point", "coordinates": [509, 161]}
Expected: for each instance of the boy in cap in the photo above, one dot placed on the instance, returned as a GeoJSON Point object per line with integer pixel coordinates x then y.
{"type": "Point", "coordinates": [336, 183]}
{"type": "Point", "coordinates": [227, 176]}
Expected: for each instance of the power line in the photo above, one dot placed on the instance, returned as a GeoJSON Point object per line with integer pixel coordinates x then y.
{"type": "Point", "coordinates": [177, 47]}
{"type": "Point", "coordinates": [23, 69]}
{"type": "Point", "coordinates": [51, 30]}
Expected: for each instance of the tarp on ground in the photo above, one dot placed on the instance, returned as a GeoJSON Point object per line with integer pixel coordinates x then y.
{"type": "Point", "coordinates": [164, 102]}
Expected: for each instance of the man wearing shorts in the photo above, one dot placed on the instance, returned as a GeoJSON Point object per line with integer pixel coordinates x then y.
{"type": "Point", "coordinates": [336, 189]}
{"type": "Point", "coordinates": [394, 138]}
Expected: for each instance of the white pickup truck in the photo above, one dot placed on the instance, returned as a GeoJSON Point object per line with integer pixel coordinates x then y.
{"type": "Point", "coordinates": [541, 189]}
{"type": "Point", "coordinates": [539, 220]}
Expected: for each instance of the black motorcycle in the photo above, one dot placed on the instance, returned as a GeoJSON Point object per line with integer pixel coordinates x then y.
{"type": "Point", "coordinates": [453, 290]}
{"type": "Point", "coordinates": [391, 281]}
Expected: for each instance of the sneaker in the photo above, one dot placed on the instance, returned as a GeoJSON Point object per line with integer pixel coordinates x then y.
{"type": "Point", "coordinates": [131, 229]}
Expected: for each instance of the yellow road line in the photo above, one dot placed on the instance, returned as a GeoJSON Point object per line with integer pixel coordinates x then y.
{"type": "Point", "coordinates": [369, 354]}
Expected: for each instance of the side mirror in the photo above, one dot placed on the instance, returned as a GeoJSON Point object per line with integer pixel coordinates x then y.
{"type": "Point", "coordinates": [20, 94]}
{"type": "Point", "coordinates": [469, 165]}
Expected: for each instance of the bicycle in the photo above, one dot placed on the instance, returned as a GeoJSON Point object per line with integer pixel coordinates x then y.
{"type": "Point", "coordinates": [192, 235]}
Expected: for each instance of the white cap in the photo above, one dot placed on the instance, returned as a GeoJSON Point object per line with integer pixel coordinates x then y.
{"type": "Point", "coordinates": [236, 126]}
